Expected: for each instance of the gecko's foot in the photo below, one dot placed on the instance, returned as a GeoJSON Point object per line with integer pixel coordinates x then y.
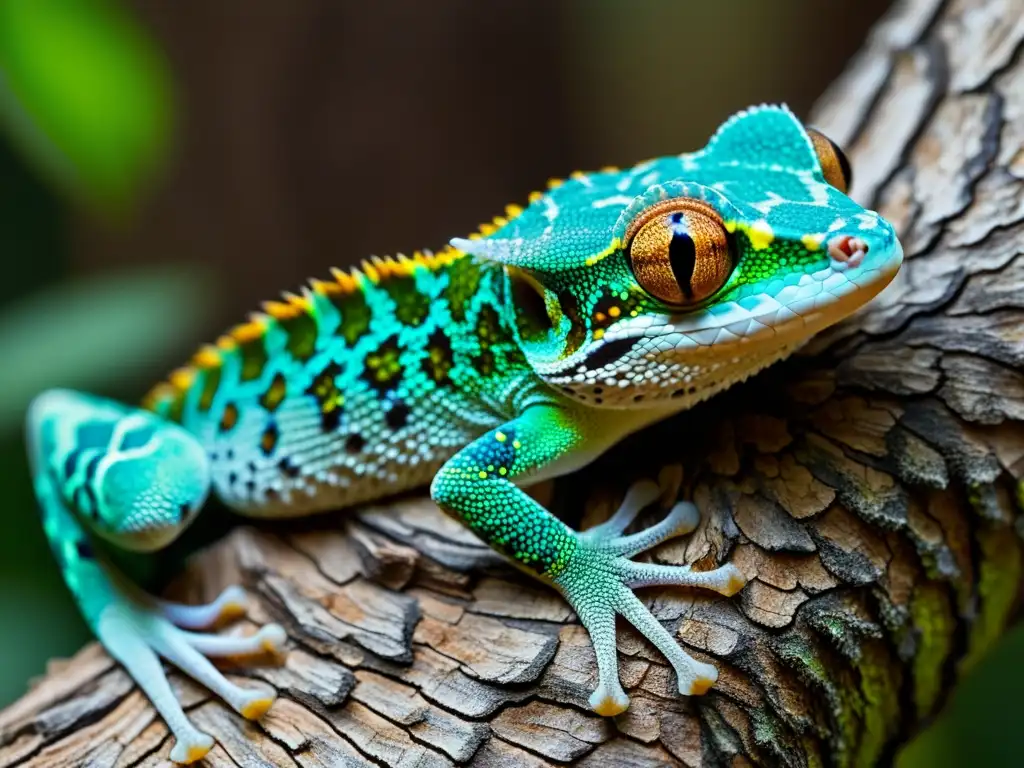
{"type": "Point", "coordinates": [137, 633]}
{"type": "Point", "coordinates": [599, 580]}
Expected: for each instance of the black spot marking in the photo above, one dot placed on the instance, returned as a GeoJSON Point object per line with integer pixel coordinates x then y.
{"type": "Point", "coordinates": [608, 352]}
{"type": "Point", "coordinates": [330, 420]}
{"type": "Point", "coordinates": [229, 418]}
{"type": "Point", "coordinates": [682, 256]}
{"type": "Point", "coordinates": [355, 443]}
{"type": "Point", "coordinates": [288, 469]}
{"type": "Point", "coordinates": [439, 358]}
{"type": "Point", "coordinates": [275, 393]}
{"type": "Point", "coordinates": [92, 466]}
{"type": "Point", "coordinates": [232, 478]}
{"type": "Point", "coordinates": [71, 462]}
{"type": "Point", "coordinates": [330, 399]}
{"type": "Point", "coordinates": [398, 416]}
{"type": "Point", "coordinates": [84, 549]}
{"type": "Point", "coordinates": [382, 368]}
{"type": "Point", "coordinates": [268, 440]}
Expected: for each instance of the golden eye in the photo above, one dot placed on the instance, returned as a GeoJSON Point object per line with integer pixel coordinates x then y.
{"type": "Point", "coordinates": [834, 164]}
{"type": "Point", "coordinates": [679, 251]}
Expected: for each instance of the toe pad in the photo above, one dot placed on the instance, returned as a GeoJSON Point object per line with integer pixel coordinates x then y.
{"type": "Point", "coordinates": [196, 749]}
{"type": "Point", "coordinates": [257, 708]}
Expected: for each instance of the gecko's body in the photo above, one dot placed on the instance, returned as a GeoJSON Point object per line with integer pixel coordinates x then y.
{"type": "Point", "coordinates": [610, 301]}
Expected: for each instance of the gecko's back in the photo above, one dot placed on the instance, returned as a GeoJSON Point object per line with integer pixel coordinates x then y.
{"type": "Point", "coordinates": [359, 387]}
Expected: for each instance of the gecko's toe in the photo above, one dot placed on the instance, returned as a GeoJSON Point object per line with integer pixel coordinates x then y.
{"type": "Point", "coordinates": [701, 685]}
{"type": "Point", "coordinates": [257, 706]}
{"type": "Point", "coordinates": [271, 638]}
{"type": "Point", "coordinates": [609, 702]}
{"type": "Point", "coordinates": [733, 580]}
{"type": "Point", "coordinates": [190, 750]}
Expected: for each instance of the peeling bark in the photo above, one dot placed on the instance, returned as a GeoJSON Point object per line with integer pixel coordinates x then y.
{"type": "Point", "coordinates": [870, 487]}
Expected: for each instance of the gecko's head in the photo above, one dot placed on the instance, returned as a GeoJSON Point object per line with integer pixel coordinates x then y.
{"type": "Point", "coordinates": [675, 278]}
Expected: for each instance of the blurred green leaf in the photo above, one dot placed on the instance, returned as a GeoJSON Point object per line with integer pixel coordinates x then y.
{"type": "Point", "coordinates": [86, 95]}
{"type": "Point", "coordinates": [94, 334]}
{"type": "Point", "coordinates": [980, 726]}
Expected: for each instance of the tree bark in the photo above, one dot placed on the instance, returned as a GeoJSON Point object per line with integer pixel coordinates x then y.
{"type": "Point", "coordinates": [871, 488]}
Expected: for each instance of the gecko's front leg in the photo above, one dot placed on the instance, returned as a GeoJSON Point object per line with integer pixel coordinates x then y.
{"type": "Point", "coordinates": [103, 470]}
{"type": "Point", "coordinates": [593, 569]}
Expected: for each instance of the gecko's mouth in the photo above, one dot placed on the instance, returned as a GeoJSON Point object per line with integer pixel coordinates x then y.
{"type": "Point", "coordinates": [689, 357]}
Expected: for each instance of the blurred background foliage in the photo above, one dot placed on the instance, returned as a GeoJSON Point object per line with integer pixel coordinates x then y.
{"type": "Point", "coordinates": [165, 166]}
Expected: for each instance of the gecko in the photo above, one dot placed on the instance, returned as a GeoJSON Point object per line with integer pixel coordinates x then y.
{"type": "Point", "coordinates": [520, 353]}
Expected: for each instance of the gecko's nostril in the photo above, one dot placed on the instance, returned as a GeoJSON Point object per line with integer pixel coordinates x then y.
{"type": "Point", "coordinates": [847, 251]}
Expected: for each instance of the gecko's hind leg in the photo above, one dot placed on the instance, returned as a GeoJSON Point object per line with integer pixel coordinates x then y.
{"type": "Point", "coordinates": [105, 471]}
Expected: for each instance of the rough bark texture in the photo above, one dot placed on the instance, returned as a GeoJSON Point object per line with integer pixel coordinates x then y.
{"type": "Point", "coordinates": [870, 487]}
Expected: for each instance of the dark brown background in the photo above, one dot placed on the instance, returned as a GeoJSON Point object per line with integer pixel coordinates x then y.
{"type": "Point", "coordinates": [316, 133]}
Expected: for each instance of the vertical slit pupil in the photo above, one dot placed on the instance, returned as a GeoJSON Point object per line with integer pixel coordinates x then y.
{"type": "Point", "coordinates": [682, 253]}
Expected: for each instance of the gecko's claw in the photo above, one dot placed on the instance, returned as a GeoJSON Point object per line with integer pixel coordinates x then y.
{"type": "Point", "coordinates": [598, 582]}
{"type": "Point", "coordinates": [137, 633]}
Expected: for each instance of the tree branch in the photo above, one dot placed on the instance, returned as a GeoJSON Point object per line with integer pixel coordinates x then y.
{"type": "Point", "coordinates": [871, 487]}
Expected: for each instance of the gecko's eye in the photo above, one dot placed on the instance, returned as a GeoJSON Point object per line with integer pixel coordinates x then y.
{"type": "Point", "coordinates": [834, 165]}
{"type": "Point", "coordinates": [679, 251]}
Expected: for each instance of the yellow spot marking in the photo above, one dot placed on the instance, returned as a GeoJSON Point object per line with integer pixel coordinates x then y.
{"type": "Point", "coordinates": [208, 356]}
{"type": "Point", "coordinates": [555, 183]}
{"type": "Point", "coordinates": [254, 710]}
{"type": "Point", "coordinates": [612, 248]}
{"type": "Point", "coordinates": [512, 210]}
{"type": "Point", "coordinates": [701, 686]}
{"type": "Point", "coordinates": [730, 226]}
{"type": "Point", "coordinates": [614, 311]}
{"type": "Point", "coordinates": [182, 378]}
{"type": "Point", "coordinates": [610, 169]}
{"type": "Point", "coordinates": [500, 437]}
{"type": "Point", "coordinates": [760, 234]}
{"type": "Point", "coordinates": [482, 475]}
{"type": "Point", "coordinates": [599, 334]}
{"type": "Point", "coordinates": [516, 444]}
{"type": "Point", "coordinates": [502, 471]}
{"type": "Point", "coordinates": [812, 242]}
{"type": "Point", "coordinates": [535, 196]}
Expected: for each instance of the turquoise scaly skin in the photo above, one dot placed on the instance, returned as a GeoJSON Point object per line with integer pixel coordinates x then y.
{"type": "Point", "coordinates": [520, 353]}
